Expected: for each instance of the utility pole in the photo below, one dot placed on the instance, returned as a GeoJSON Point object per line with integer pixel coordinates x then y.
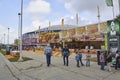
{"type": "Point", "coordinates": [20, 58]}
{"type": "Point", "coordinates": [98, 18]}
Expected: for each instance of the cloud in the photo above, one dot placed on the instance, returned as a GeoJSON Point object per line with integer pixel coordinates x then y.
{"type": "Point", "coordinates": [35, 12]}
{"type": "Point", "coordinates": [88, 9]}
{"type": "Point", "coordinates": [13, 34]}
{"type": "Point", "coordinates": [38, 7]}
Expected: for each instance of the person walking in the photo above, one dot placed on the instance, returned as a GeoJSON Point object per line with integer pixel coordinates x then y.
{"type": "Point", "coordinates": [80, 57]}
{"type": "Point", "coordinates": [117, 57]}
{"type": "Point", "coordinates": [102, 60]}
{"type": "Point", "coordinates": [48, 53]}
{"type": "Point", "coordinates": [88, 56]}
{"type": "Point", "coordinates": [77, 58]}
{"type": "Point", "coordinates": [109, 60]}
{"type": "Point", "coordinates": [65, 54]}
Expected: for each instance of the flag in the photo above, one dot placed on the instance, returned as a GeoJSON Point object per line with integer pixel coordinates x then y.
{"type": "Point", "coordinates": [77, 19]}
{"type": "Point", "coordinates": [109, 2]}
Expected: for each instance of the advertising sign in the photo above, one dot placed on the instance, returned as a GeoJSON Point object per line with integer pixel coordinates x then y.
{"type": "Point", "coordinates": [113, 35]}
{"type": "Point", "coordinates": [103, 27]}
{"type": "Point", "coordinates": [64, 33]}
{"type": "Point", "coordinates": [72, 32]}
{"type": "Point", "coordinates": [113, 28]}
{"type": "Point", "coordinates": [81, 30]}
{"type": "Point", "coordinates": [114, 43]}
{"type": "Point", "coordinates": [92, 29]}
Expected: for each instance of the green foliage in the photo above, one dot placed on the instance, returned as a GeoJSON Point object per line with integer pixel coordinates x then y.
{"type": "Point", "coordinates": [16, 41]}
{"type": "Point", "coordinates": [15, 59]}
{"type": "Point", "coordinates": [118, 17]}
{"type": "Point", "coordinates": [3, 52]}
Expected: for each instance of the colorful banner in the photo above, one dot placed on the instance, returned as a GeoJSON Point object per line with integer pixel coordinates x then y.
{"type": "Point", "coordinates": [72, 32]}
{"type": "Point", "coordinates": [80, 30]}
{"type": "Point", "coordinates": [103, 27]}
{"type": "Point", "coordinates": [64, 33]}
{"type": "Point", "coordinates": [92, 29]}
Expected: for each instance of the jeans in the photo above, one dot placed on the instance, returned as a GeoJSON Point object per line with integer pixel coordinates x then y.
{"type": "Point", "coordinates": [77, 63]}
{"type": "Point", "coordinates": [81, 61]}
{"type": "Point", "coordinates": [65, 60]}
{"type": "Point", "coordinates": [48, 59]}
{"type": "Point", "coordinates": [88, 62]}
{"type": "Point", "coordinates": [102, 65]}
{"type": "Point", "coordinates": [117, 65]}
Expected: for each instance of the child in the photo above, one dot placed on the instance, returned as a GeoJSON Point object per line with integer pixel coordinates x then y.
{"type": "Point", "coordinates": [77, 58]}
{"type": "Point", "coordinates": [88, 56]}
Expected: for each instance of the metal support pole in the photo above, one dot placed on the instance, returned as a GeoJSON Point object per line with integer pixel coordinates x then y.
{"type": "Point", "coordinates": [20, 58]}
{"type": "Point", "coordinates": [4, 38]}
{"type": "Point", "coordinates": [119, 7]}
{"type": "Point", "coordinates": [8, 37]}
{"type": "Point", "coordinates": [62, 33]}
{"type": "Point", "coordinates": [98, 18]}
{"type": "Point", "coordinates": [19, 16]}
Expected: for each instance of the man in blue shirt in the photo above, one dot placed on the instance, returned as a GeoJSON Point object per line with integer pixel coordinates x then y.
{"type": "Point", "coordinates": [48, 53]}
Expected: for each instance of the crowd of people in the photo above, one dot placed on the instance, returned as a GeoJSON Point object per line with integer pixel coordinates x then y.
{"type": "Point", "coordinates": [78, 57]}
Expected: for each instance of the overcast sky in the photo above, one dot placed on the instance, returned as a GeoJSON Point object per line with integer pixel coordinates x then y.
{"type": "Point", "coordinates": [40, 12]}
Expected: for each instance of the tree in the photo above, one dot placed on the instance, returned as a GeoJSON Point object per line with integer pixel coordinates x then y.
{"type": "Point", "coordinates": [16, 41]}
{"type": "Point", "coordinates": [118, 17]}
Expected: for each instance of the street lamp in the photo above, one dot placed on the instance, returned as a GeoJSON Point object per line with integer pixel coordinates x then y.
{"type": "Point", "coordinates": [4, 38]}
{"type": "Point", "coordinates": [20, 58]}
{"type": "Point", "coordinates": [19, 24]}
{"type": "Point", "coordinates": [7, 48]}
{"type": "Point", "coordinates": [8, 37]}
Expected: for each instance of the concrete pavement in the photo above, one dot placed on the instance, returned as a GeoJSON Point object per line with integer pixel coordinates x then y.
{"type": "Point", "coordinates": [36, 69]}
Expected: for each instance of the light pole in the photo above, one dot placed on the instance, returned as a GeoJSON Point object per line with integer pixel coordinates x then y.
{"type": "Point", "coordinates": [20, 58]}
{"type": "Point", "coordinates": [8, 37]}
{"type": "Point", "coordinates": [7, 48]}
{"type": "Point", "coordinates": [62, 33]}
{"type": "Point", "coordinates": [4, 38]}
{"type": "Point", "coordinates": [19, 24]}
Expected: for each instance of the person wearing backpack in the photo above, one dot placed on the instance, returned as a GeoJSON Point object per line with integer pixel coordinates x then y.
{"type": "Point", "coordinates": [65, 54]}
{"type": "Point", "coordinates": [48, 53]}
